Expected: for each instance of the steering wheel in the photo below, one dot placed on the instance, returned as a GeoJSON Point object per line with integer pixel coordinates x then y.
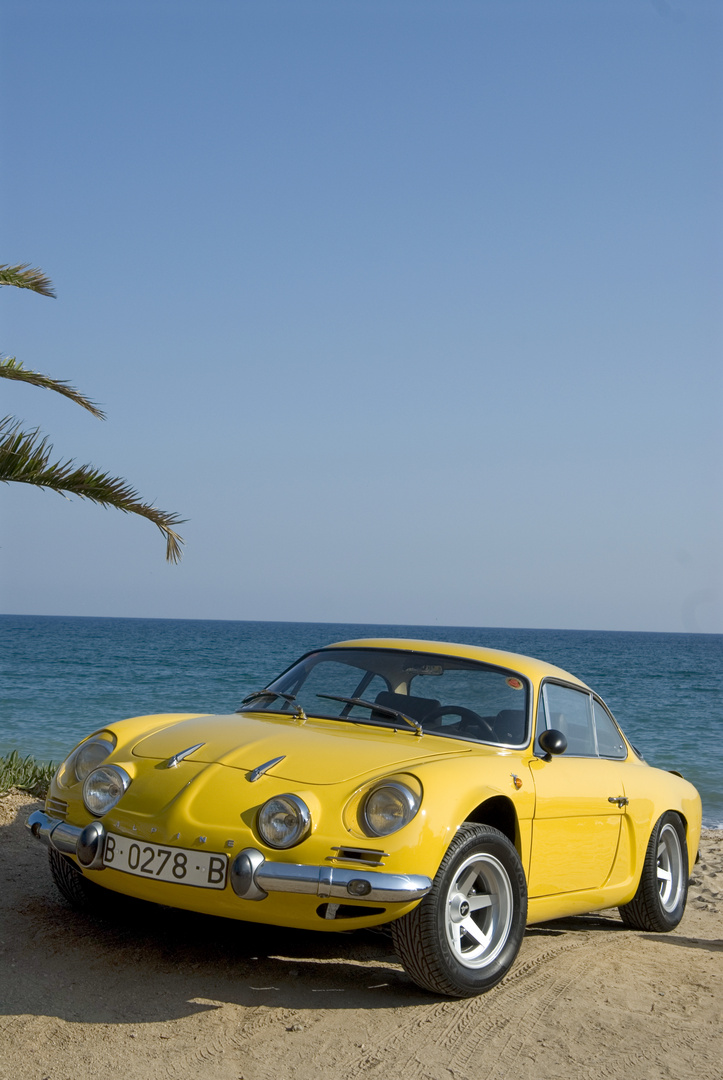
{"type": "Point", "coordinates": [468, 718]}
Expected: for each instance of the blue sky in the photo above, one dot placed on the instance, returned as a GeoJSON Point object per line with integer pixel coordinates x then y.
{"type": "Point", "coordinates": [411, 307]}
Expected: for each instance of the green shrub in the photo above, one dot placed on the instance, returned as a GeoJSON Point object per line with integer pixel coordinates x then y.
{"type": "Point", "coordinates": [25, 773]}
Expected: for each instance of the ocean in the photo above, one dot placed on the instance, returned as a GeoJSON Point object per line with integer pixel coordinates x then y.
{"type": "Point", "coordinates": [63, 677]}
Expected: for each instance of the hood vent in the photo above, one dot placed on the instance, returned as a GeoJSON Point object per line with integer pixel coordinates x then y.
{"type": "Point", "coordinates": [360, 856]}
{"type": "Point", "coordinates": [56, 808]}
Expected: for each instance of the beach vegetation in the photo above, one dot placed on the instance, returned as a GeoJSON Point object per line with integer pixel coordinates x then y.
{"type": "Point", "coordinates": [26, 455]}
{"type": "Point", "coordinates": [25, 774]}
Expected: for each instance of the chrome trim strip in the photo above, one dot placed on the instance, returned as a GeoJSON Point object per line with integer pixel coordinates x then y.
{"type": "Point", "coordinates": [350, 853]}
{"type": "Point", "coordinates": [56, 807]}
{"type": "Point", "coordinates": [325, 881]}
{"type": "Point", "coordinates": [367, 863]}
{"type": "Point", "coordinates": [261, 769]}
{"type": "Point", "coordinates": [175, 758]}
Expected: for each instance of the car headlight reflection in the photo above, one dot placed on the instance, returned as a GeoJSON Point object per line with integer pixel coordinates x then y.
{"type": "Point", "coordinates": [90, 755]}
{"type": "Point", "coordinates": [283, 821]}
{"type": "Point", "coordinates": [103, 788]}
{"type": "Point", "coordinates": [389, 807]}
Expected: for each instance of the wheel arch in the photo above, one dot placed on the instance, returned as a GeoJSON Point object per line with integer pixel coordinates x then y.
{"type": "Point", "coordinates": [660, 898]}
{"type": "Point", "coordinates": [679, 814]}
{"type": "Point", "coordinates": [499, 812]}
{"type": "Point", "coordinates": [654, 794]}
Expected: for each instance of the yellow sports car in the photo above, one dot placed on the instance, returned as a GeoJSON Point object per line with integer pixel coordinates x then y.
{"type": "Point", "coordinates": [456, 793]}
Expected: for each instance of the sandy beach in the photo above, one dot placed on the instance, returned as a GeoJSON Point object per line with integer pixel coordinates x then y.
{"type": "Point", "coordinates": [148, 992]}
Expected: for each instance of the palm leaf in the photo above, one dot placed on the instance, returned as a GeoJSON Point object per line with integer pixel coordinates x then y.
{"type": "Point", "coordinates": [10, 368]}
{"type": "Point", "coordinates": [25, 459]}
{"type": "Point", "coordinates": [23, 276]}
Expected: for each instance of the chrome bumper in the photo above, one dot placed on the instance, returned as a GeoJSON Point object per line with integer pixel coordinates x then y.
{"type": "Point", "coordinates": [42, 827]}
{"type": "Point", "coordinates": [252, 876]}
{"type": "Point", "coordinates": [86, 843]}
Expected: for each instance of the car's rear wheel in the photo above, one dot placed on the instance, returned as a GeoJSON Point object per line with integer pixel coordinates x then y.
{"type": "Point", "coordinates": [463, 937]}
{"type": "Point", "coordinates": [659, 903]}
{"type": "Point", "coordinates": [76, 889]}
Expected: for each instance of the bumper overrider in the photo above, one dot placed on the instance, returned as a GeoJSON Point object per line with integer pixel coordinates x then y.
{"type": "Point", "coordinates": [252, 876]}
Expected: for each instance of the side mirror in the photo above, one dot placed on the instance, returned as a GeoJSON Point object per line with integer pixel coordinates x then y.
{"type": "Point", "coordinates": [552, 742]}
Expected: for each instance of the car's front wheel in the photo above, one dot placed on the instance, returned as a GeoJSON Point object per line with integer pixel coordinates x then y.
{"type": "Point", "coordinates": [463, 937]}
{"type": "Point", "coordinates": [77, 890]}
{"type": "Point", "coordinates": [659, 903]}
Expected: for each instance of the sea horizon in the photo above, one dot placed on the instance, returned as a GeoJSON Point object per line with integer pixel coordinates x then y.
{"type": "Point", "coordinates": [67, 675]}
{"type": "Point", "coordinates": [340, 622]}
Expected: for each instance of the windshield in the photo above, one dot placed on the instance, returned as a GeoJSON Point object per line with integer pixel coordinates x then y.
{"type": "Point", "coordinates": [441, 695]}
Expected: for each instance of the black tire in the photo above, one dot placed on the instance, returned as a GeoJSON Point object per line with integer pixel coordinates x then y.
{"type": "Point", "coordinates": [80, 893]}
{"type": "Point", "coordinates": [659, 903]}
{"type": "Point", "coordinates": [434, 941]}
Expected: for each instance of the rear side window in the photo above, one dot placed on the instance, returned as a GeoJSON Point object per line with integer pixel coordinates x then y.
{"type": "Point", "coordinates": [569, 711]}
{"type": "Point", "coordinates": [585, 722]}
{"type": "Point", "coordinates": [610, 742]}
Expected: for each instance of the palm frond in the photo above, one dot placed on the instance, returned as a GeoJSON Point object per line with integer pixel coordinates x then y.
{"type": "Point", "coordinates": [25, 276]}
{"type": "Point", "coordinates": [10, 368]}
{"type": "Point", "coordinates": [25, 459]}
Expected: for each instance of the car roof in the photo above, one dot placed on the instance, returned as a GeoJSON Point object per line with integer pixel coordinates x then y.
{"type": "Point", "coordinates": [536, 670]}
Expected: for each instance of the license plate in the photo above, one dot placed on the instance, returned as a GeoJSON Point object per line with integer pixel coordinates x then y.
{"type": "Point", "coordinates": [182, 866]}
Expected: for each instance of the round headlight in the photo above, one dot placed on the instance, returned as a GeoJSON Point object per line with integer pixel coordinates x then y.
{"type": "Point", "coordinates": [283, 821]}
{"type": "Point", "coordinates": [90, 755]}
{"type": "Point", "coordinates": [103, 788]}
{"type": "Point", "coordinates": [389, 807]}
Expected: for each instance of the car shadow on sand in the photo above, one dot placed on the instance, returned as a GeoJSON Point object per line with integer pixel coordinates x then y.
{"type": "Point", "coordinates": [136, 962]}
{"type": "Point", "coordinates": [140, 963]}
{"type": "Point", "coordinates": [576, 924]}
{"type": "Point", "coordinates": [712, 945]}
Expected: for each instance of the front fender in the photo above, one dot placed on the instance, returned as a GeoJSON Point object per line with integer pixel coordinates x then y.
{"type": "Point", "coordinates": [454, 792]}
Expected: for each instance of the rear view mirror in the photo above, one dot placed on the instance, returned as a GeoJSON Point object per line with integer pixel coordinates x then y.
{"type": "Point", "coordinates": [552, 742]}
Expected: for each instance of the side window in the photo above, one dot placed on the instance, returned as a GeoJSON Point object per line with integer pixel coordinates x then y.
{"type": "Point", "coordinates": [569, 711]}
{"type": "Point", "coordinates": [609, 741]}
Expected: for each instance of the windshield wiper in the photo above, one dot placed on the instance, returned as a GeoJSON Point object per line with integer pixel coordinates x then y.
{"type": "Point", "coordinates": [265, 693]}
{"type": "Point", "coordinates": [418, 729]}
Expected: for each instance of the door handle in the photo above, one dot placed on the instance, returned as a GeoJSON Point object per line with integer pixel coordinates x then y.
{"type": "Point", "coordinates": [619, 799]}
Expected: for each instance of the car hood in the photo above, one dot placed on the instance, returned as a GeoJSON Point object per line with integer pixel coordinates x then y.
{"type": "Point", "coordinates": [313, 752]}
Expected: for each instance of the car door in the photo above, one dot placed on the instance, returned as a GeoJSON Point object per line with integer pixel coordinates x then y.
{"type": "Point", "coordinates": [576, 828]}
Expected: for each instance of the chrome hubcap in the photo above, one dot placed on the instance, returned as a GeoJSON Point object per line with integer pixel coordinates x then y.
{"type": "Point", "coordinates": [669, 868]}
{"type": "Point", "coordinates": [479, 909]}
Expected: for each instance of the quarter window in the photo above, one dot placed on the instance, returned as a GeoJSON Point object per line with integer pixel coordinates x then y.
{"type": "Point", "coordinates": [585, 722]}
{"type": "Point", "coordinates": [569, 711]}
{"type": "Point", "coordinates": [610, 742]}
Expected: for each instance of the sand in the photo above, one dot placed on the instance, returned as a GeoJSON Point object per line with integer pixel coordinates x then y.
{"type": "Point", "coordinates": [153, 993]}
